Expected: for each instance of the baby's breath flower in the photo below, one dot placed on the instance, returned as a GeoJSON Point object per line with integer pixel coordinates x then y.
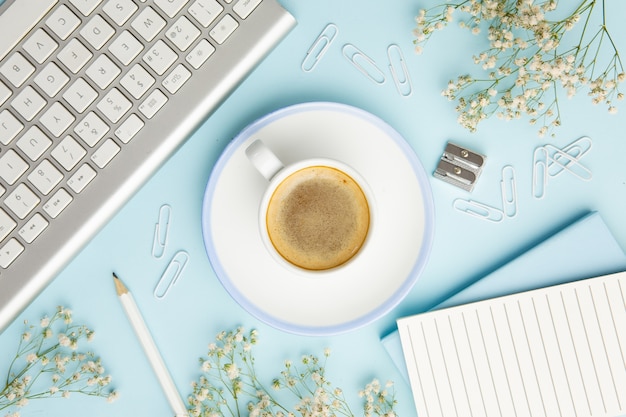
{"type": "Point", "coordinates": [528, 60]}
{"type": "Point", "coordinates": [216, 393]}
{"type": "Point", "coordinates": [50, 354]}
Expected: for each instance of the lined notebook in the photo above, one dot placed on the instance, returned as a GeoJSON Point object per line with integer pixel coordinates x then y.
{"type": "Point", "coordinates": [556, 351]}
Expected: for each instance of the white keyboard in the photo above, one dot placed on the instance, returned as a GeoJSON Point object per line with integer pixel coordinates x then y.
{"type": "Point", "coordinates": [95, 95]}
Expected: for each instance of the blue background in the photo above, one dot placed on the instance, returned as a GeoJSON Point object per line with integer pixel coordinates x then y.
{"type": "Point", "coordinates": [464, 250]}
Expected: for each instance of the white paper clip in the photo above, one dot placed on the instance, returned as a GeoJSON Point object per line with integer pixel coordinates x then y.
{"type": "Point", "coordinates": [363, 63]}
{"type": "Point", "coordinates": [576, 149]}
{"type": "Point", "coordinates": [161, 231]}
{"type": "Point", "coordinates": [508, 187]}
{"type": "Point", "coordinates": [171, 274]}
{"type": "Point", "coordinates": [319, 47]}
{"type": "Point", "coordinates": [479, 210]}
{"type": "Point", "coordinates": [569, 163]}
{"type": "Point", "coordinates": [540, 172]}
{"type": "Point", "coordinates": [399, 70]}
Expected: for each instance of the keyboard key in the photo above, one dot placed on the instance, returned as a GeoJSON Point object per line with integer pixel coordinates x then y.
{"type": "Point", "coordinates": [205, 11]}
{"type": "Point", "coordinates": [91, 129]}
{"type": "Point", "coordinates": [80, 95]}
{"type": "Point", "coordinates": [125, 47]}
{"type": "Point", "coordinates": [33, 228]}
{"type": "Point", "coordinates": [22, 201]}
{"type": "Point", "coordinates": [28, 103]}
{"type": "Point", "coordinates": [74, 56]}
{"type": "Point", "coordinates": [120, 10]}
{"type": "Point", "coordinates": [83, 176]}
{"type": "Point", "coordinates": [183, 33]}
{"type": "Point", "coordinates": [51, 79]}
{"type": "Point", "coordinates": [34, 143]}
{"type": "Point", "coordinates": [243, 8]}
{"type": "Point", "coordinates": [148, 24]}
{"type": "Point", "coordinates": [170, 7]}
{"type": "Point", "coordinates": [224, 29]}
{"type": "Point", "coordinates": [7, 224]}
{"type": "Point", "coordinates": [105, 153]}
{"type": "Point", "coordinates": [45, 177]}
{"type": "Point", "coordinates": [68, 153]}
{"type": "Point", "coordinates": [17, 19]}
{"type": "Point", "coordinates": [57, 119]}
{"type": "Point", "coordinates": [57, 203]}
{"type": "Point", "coordinates": [5, 93]}
{"type": "Point", "coordinates": [97, 32]}
{"type": "Point", "coordinates": [17, 69]}
{"type": "Point", "coordinates": [153, 103]}
{"type": "Point", "coordinates": [137, 81]}
{"type": "Point", "coordinates": [63, 22]}
{"type": "Point", "coordinates": [40, 46]}
{"type": "Point", "coordinates": [129, 128]}
{"type": "Point", "coordinates": [114, 105]}
{"type": "Point", "coordinates": [10, 252]}
{"type": "Point", "coordinates": [12, 166]}
{"type": "Point", "coordinates": [176, 78]}
{"type": "Point", "coordinates": [198, 55]}
{"type": "Point", "coordinates": [103, 71]}
{"type": "Point", "coordinates": [160, 57]}
{"type": "Point", "coordinates": [86, 6]}
{"type": "Point", "coordinates": [9, 127]}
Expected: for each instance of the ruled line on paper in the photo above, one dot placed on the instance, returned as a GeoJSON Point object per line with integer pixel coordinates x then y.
{"type": "Point", "coordinates": [605, 343]}
{"type": "Point", "coordinates": [557, 351]}
{"type": "Point", "coordinates": [557, 359]}
{"type": "Point", "coordinates": [445, 365]}
{"type": "Point", "coordinates": [593, 359]}
{"type": "Point", "coordinates": [482, 339]}
{"type": "Point", "coordinates": [458, 359]}
{"type": "Point", "coordinates": [583, 380]}
{"type": "Point", "coordinates": [506, 372]}
{"type": "Point", "coordinates": [544, 351]}
{"type": "Point", "coordinates": [533, 359]}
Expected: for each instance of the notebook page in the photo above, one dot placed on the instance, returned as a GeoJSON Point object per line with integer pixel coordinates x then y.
{"type": "Point", "coordinates": [556, 351]}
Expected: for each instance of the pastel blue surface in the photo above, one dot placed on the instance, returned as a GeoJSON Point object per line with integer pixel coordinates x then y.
{"type": "Point", "coordinates": [464, 249]}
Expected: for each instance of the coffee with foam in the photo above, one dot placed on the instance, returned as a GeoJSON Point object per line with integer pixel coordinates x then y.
{"type": "Point", "coordinates": [318, 218]}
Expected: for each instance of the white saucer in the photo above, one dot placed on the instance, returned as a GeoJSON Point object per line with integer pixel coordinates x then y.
{"type": "Point", "coordinates": [370, 285]}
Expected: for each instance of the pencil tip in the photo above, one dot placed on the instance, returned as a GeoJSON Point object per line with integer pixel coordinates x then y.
{"type": "Point", "coordinates": [119, 285]}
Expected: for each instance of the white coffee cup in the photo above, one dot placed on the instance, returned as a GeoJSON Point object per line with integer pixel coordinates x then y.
{"type": "Point", "coordinates": [316, 215]}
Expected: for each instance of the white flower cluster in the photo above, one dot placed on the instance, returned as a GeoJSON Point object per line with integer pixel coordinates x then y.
{"type": "Point", "coordinates": [48, 364]}
{"type": "Point", "coordinates": [229, 385]}
{"type": "Point", "coordinates": [528, 62]}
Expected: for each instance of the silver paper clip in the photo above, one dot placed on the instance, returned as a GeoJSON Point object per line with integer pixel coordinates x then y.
{"type": "Point", "coordinates": [161, 231]}
{"type": "Point", "coordinates": [319, 47]}
{"type": "Point", "coordinates": [508, 187]}
{"type": "Point", "coordinates": [363, 63]}
{"type": "Point", "coordinates": [459, 166]}
{"type": "Point", "coordinates": [479, 210]}
{"type": "Point", "coordinates": [171, 274]}
{"type": "Point", "coordinates": [540, 172]}
{"type": "Point", "coordinates": [399, 70]}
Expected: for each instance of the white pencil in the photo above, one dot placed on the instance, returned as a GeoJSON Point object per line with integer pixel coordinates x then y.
{"type": "Point", "coordinates": [149, 347]}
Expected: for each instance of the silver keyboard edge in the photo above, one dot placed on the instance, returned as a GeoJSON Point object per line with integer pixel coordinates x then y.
{"type": "Point", "coordinates": [100, 201]}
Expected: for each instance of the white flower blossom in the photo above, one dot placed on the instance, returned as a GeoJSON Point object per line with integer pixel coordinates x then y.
{"type": "Point", "coordinates": [52, 348]}
{"type": "Point", "coordinates": [526, 62]}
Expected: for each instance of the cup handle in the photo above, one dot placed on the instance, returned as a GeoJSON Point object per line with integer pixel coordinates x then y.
{"type": "Point", "coordinates": [263, 159]}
